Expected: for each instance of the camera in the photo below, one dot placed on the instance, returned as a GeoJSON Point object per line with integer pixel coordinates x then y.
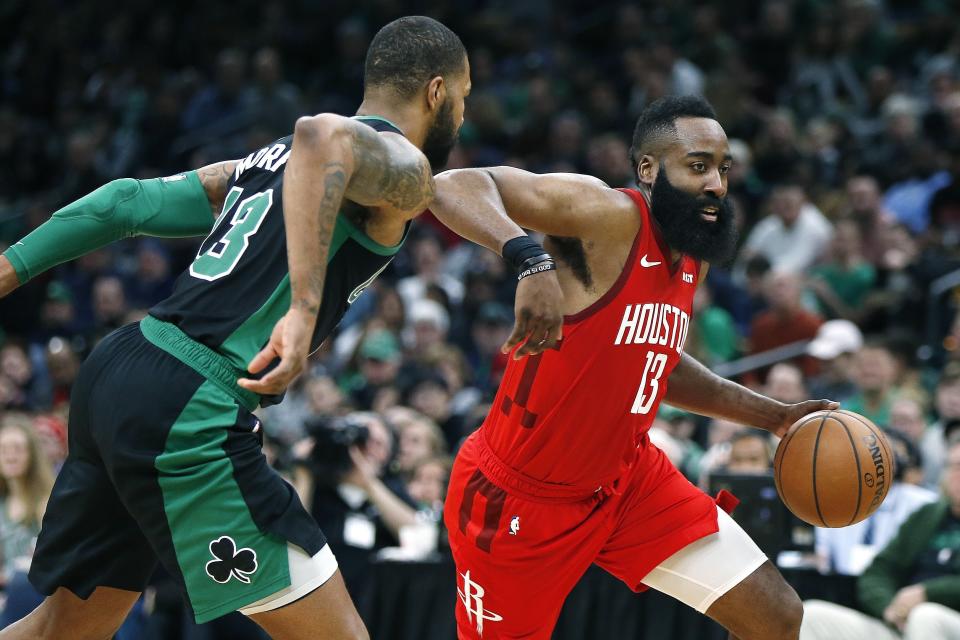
{"type": "Point", "coordinates": [333, 438]}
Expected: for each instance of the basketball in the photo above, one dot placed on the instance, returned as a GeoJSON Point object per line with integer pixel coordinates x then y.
{"type": "Point", "coordinates": [833, 468]}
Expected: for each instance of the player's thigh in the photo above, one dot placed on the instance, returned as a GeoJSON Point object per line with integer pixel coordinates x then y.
{"type": "Point", "coordinates": [516, 559]}
{"type": "Point", "coordinates": [326, 612]}
{"type": "Point", "coordinates": [220, 518]}
{"type": "Point", "coordinates": [64, 615]}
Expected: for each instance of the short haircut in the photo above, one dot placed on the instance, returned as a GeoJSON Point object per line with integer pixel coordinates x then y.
{"type": "Point", "coordinates": [407, 53]}
{"type": "Point", "coordinates": [658, 121]}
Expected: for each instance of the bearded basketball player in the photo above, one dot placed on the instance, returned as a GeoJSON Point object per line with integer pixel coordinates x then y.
{"type": "Point", "coordinates": [562, 474]}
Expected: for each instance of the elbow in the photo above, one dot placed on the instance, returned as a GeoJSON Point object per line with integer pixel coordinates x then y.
{"type": "Point", "coordinates": [320, 131]}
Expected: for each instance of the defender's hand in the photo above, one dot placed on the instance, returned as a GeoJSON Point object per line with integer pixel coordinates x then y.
{"type": "Point", "coordinates": [290, 341]}
{"type": "Point", "coordinates": [793, 412]}
{"type": "Point", "coordinates": [539, 315]}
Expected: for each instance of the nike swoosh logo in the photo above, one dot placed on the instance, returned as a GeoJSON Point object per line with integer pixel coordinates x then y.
{"type": "Point", "coordinates": [644, 263]}
{"type": "Point", "coordinates": [20, 243]}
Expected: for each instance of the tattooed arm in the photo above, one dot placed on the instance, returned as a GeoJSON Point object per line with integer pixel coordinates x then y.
{"type": "Point", "coordinates": [332, 158]}
{"type": "Point", "coordinates": [214, 178]}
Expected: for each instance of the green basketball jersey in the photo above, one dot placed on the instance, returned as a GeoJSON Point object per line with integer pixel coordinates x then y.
{"type": "Point", "coordinates": [238, 286]}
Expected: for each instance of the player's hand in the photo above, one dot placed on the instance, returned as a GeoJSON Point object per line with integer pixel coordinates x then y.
{"type": "Point", "coordinates": [290, 341]}
{"type": "Point", "coordinates": [539, 315]}
{"type": "Point", "coordinates": [793, 412]}
{"type": "Point", "coordinates": [8, 277]}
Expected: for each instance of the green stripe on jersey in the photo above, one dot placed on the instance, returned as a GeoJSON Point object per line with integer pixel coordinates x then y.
{"type": "Point", "coordinates": [203, 504]}
{"type": "Point", "coordinates": [370, 244]}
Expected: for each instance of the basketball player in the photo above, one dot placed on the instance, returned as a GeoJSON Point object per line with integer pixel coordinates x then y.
{"type": "Point", "coordinates": [165, 458]}
{"type": "Point", "coordinates": [562, 473]}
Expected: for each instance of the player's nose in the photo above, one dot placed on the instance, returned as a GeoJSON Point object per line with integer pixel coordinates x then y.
{"type": "Point", "coordinates": [715, 186]}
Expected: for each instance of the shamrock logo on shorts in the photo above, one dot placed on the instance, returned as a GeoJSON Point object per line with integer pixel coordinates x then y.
{"type": "Point", "coordinates": [229, 562]}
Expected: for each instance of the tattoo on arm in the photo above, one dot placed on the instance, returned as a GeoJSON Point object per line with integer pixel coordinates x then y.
{"type": "Point", "coordinates": [214, 178]}
{"type": "Point", "coordinates": [334, 183]}
{"type": "Point", "coordinates": [385, 173]}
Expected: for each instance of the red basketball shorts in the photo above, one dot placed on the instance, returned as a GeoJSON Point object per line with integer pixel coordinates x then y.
{"type": "Point", "coordinates": [519, 550]}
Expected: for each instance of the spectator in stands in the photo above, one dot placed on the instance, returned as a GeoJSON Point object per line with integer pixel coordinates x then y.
{"type": "Point", "coordinates": [419, 439]}
{"type": "Point", "coordinates": [713, 337]}
{"type": "Point", "coordinates": [876, 376]}
{"type": "Point", "coordinates": [109, 307]}
{"type": "Point", "coordinates": [428, 258]}
{"type": "Point", "coordinates": [864, 203]}
{"type": "Point", "coordinates": [912, 585]}
{"type": "Point", "coordinates": [750, 452]}
{"type": "Point", "coordinates": [25, 483]}
{"type": "Point", "coordinates": [18, 371]}
{"type": "Point", "coordinates": [26, 479]}
{"type": "Point", "coordinates": [427, 326]}
{"type": "Point", "coordinates": [380, 359]}
{"type": "Point", "coordinates": [220, 108]}
{"type": "Point", "coordinates": [844, 279]}
{"type": "Point", "coordinates": [428, 486]}
{"type": "Point", "coordinates": [489, 331]}
{"type": "Point", "coordinates": [907, 418]}
{"type": "Point", "coordinates": [785, 321]}
{"type": "Point", "coordinates": [785, 383]}
{"type": "Point", "coordinates": [835, 346]}
{"type": "Point", "coordinates": [271, 102]}
{"type": "Point", "coordinates": [62, 365]}
{"type": "Point", "coordinates": [793, 235]}
{"type": "Point", "coordinates": [719, 435]}
{"type": "Point", "coordinates": [359, 506]}
{"type": "Point", "coordinates": [947, 404]}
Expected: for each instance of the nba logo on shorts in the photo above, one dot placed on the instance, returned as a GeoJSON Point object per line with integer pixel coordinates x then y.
{"type": "Point", "coordinates": [472, 598]}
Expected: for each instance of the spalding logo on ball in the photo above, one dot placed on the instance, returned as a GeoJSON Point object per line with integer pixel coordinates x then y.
{"type": "Point", "coordinates": [833, 468]}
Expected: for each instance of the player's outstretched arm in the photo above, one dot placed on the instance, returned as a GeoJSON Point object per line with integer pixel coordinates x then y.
{"type": "Point", "coordinates": [695, 388]}
{"type": "Point", "coordinates": [332, 158]}
{"type": "Point", "coordinates": [489, 206]}
{"type": "Point", "coordinates": [558, 204]}
{"type": "Point", "coordinates": [178, 206]}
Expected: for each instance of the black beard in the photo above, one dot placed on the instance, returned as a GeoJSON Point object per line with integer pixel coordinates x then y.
{"type": "Point", "coordinates": [441, 138]}
{"type": "Point", "coordinates": [678, 214]}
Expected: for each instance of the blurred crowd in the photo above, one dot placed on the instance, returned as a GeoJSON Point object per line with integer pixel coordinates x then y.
{"type": "Point", "coordinates": [844, 124]}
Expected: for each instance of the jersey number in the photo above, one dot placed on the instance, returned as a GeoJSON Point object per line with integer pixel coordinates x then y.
{"type": "Point", "coordinates": [217, 260]}
{"type": "Point", "coordinates": [656, 362]}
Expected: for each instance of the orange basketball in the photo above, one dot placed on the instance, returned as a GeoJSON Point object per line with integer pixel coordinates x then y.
{"type": "Point", "coordinates": [833, 468]}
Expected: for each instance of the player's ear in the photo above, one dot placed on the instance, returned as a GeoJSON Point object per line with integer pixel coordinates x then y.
{"type": "Point", "coordinates": [647, 170]}
{"type": "Point", "coordinates": [436, 92]}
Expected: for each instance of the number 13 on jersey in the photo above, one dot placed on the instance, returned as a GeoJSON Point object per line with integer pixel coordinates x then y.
{"type": "Point", "coordinates": [218, 258]}
{"type": "Point", "coordinates": [649, 383]}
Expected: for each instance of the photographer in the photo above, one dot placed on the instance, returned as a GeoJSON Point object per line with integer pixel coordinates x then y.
{"type": "Point", "coordinates": [339, 474]}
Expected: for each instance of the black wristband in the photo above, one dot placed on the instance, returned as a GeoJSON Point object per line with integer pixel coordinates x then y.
{"type": "Point", "coordinates": [518, 250]}
{"type": "Point", "coordinates": [537, 259]}
{"type": "Point", "coordinates": [540, 267]}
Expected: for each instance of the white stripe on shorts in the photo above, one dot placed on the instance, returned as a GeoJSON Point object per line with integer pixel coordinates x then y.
{"type": "Point", "coordinates": [707, 568]}
{"type": "Point", "coordinates": [306, 574]}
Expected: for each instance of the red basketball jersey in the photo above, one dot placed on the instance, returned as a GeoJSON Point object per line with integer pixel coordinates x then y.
{"type": "Point", "coordinates": [575, 416]}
